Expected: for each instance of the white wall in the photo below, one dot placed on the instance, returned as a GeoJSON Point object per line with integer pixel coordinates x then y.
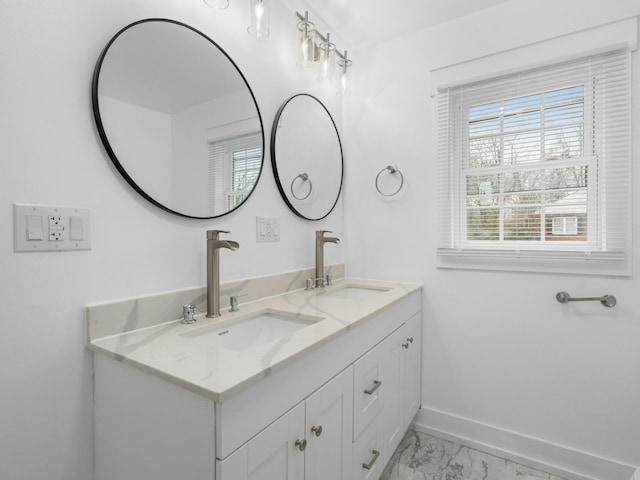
{"type": "Point", "coordinates": [500, 354]}
{"type": "Point", "coordinates": [51, 154]}
{"type": "Point", "coordinates": [150, 149]}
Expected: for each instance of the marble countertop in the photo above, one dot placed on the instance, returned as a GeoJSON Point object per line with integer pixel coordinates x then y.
{"type": "Point", "coordinates": [169, 351]}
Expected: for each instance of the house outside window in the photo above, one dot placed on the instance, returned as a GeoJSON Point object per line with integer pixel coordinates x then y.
{"type": "Point", "coordinates": [565, 225]}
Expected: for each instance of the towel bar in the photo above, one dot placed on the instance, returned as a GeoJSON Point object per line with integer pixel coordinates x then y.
{"type": "Point", "coordinates": [606, 300]}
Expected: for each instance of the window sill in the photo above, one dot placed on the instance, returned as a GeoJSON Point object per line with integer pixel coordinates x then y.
{"type": "Point", "coordinates": [605, 264]}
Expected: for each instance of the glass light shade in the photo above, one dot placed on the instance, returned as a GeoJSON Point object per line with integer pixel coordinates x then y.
{"type": "Point", "coordinates": [259, 18]}
{"type": "Point", "coordinates": [217, 4]}
{"type": "Point", "coordinates": [326, 63]}
{"type": "Point", "coordinates": [344, 83]}
{"type": "Point", "coordinates": [307, 48]}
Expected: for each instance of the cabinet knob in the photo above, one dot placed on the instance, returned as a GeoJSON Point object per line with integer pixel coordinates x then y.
{"type": "Point", "coordinates": [317, 430]}
{"type": "Point", "coordinates": [301, 444]}
{"type": "Point", "coordinates": [369, 465]}
{"type": "Point", "coordinates": [409, 340]}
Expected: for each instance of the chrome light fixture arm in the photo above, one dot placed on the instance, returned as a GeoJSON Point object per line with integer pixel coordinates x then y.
{"type": "Point", "coordinates": [311, 55]}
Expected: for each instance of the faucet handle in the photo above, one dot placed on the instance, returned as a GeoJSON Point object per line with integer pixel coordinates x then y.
{"type": "Point", "coordinates": [312, 282]}
{"type": "Point", "coordinates": [320, 233]}
{"type": "Point", "coordinates": [215, 234]}
{"type": "Point", "coordinates": [187, 314]}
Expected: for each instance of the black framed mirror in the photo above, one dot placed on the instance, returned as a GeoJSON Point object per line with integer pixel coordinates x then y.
{"type": "Point", "coordinates": [178, 118]}
{"type": "Point", "coordinates": [307, 159]}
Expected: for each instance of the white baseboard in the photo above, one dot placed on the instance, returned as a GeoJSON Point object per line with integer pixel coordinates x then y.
{"type": "Point", "coordinates": [557, 459]}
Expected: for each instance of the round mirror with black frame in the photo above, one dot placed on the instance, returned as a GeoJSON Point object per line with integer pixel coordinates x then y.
{"type": "Point", "coordinates": [178, 118]}
{"type": "Point", "coordinates": [306, 154]}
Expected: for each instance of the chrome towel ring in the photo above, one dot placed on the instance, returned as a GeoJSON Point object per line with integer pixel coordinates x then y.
{"type": "Point", "coordinates": [304, 178]}
{"type": "Point", "coordinates": [392, 169]}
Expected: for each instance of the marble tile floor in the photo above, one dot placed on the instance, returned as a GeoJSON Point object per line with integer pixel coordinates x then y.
{"type": "Point", "coordinates": [423, 457]}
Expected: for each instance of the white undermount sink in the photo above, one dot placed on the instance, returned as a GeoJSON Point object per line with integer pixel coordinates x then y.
{"type": "Point", "coordinates": [354, 292]}
{"type": "Point", "coordinates": [252, 332]}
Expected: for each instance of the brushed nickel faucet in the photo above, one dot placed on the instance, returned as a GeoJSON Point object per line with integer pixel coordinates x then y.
{"type": "Point", "coordinates": [320, 241]}
{"type": "Point", "coordinates": [214, 244]}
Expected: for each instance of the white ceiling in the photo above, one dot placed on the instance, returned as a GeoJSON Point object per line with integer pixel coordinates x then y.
{"type": "Point", "coordinates": [352, 23]}
{"type": "Point", "coordinates": [360, 23]}
{"type": "Point", "coordinates": [167, 68]}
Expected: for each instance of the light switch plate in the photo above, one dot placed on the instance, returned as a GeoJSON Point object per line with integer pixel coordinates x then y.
{"type": "Point", "coordinates": [48, 228]}
{"type": "Point", "coordinates": [267, 229]}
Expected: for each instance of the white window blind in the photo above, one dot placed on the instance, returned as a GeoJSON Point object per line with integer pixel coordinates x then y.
{"type": "Point", "coordinates": [234, 167]}
{"type": "Point", "coordinates": [534, 168]}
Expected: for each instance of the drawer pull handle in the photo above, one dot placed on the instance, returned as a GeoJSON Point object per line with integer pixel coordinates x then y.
{"type": "Point", "coordinates": [301, 444]}
{"type": "Point", "coordinates": [376, 385]}
{"type": "Point", "coordinates": [368, 466]}
{"type": "Point", "coordinates": [409, 340]}
{"type": "Point", "coordinates": [317, 430]}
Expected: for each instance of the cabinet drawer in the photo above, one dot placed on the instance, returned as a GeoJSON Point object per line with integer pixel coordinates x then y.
{"type": "Point", "coordinates": [368, 454]}
{"type": "Point", "coordinates": [367, 389]}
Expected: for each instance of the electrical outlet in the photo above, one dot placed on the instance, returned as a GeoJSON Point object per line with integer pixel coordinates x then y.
{"type": "Point", "coordinates": [50, 228]}
{"type": "Point", "coordinates": [56, 228]}
{"type": "Point", "coordinates": [56, 234]}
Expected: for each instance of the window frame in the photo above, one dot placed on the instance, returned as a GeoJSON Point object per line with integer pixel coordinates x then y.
{"type": "Point", "coordinates": [455, 250]}
{"type": "Point", "coordinates": [235, 196]}
{"type": "Point", "coordinates": [589, 160]}
{"type": "Point", "coordinates": [221, 168]}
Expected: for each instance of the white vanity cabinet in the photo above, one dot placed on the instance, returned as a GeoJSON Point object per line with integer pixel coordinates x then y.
{"type": "Point", "coordinates": [335, 411]}
{"type": "Point", "coordinates": [310, 442]}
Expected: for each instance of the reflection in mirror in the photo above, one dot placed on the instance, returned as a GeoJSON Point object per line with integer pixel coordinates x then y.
{"type": "Point", "coordinates": [178, 118]}
{"type": "Point", "coordinates": [306, 154]}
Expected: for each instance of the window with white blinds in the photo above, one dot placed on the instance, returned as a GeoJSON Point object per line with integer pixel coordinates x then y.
{"type": "Point", "coordinates": [534, 168]}
{"type": "Point", "coordinates": [234, 167]}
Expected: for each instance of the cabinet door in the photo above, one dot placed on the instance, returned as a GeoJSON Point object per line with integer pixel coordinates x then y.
{"type": "Point", "coordinates": [393, 414]}
{"type": "Point", "coordinates": [270, 455]}
{"type": "Point", "coordinates": [367, 389]}
{"type": "Point", "coordinates": [401, 375]}
{"type": "Point", "coordinates": [412, 367]}
{"type": "Point", "coordinates": [328, 430]}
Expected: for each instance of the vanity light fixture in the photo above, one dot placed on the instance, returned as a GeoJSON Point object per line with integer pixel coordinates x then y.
{"type": "Point", "coordinates": [315, 49]}
{"type": "Point", "coordinates": [217, 4]}
{"type": "Point", "coordinates": [259, 18]}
